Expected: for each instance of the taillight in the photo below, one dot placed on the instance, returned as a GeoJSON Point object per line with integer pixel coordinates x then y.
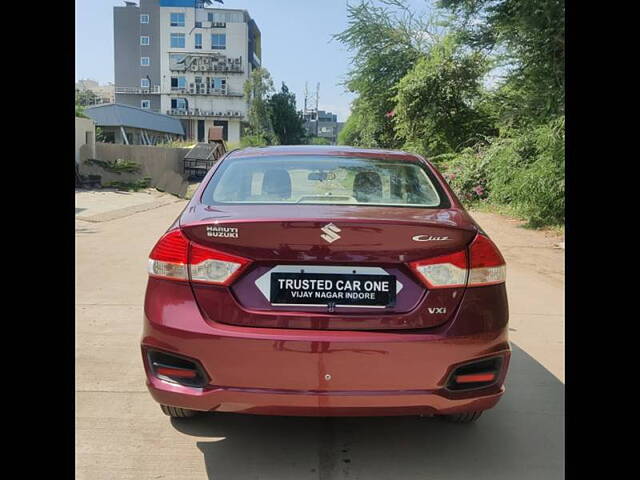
{"type": "Point", "coordinates": [176, 258]}
{"type": "Point", "coordinates": [485, 266]}
{"type": "Point", "coordinates": [211, 266]}
{"type": "Point", "coordinates": [168, 259]}
{"type": "Point", "coordinates": [447, 271]}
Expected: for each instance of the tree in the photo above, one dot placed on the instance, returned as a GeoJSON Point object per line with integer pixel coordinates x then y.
{"type": "Point", "coordinates": [528, 37]}
{"type": "Point", "coordinates": [385, 47]}
{"type": "Point", "coordinates": [86, 97]}
{"type": "Point", "coordinates": [439, 106]}
{"type": "Point", "coordinates": [257, 90]}
{"type": "Point", "coordinates": [287, 122]}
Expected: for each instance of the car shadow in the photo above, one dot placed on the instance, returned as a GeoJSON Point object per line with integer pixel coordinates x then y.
{"type": "Point", "coordinates": [522, 437]}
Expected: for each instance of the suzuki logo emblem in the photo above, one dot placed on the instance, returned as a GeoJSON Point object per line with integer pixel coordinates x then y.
{"type": "Point", "coordinates": [330, 233]}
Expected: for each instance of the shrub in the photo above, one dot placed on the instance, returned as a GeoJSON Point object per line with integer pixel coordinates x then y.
{"type": "Point", "coordinates": [523, 170]}
{"type": "Point", "coordinates": [527, 172]}
{"type": "Point", "coordinates": [467, 173]}
{"type": "Point", "coordinates": [118, 166]}
{"type": "Point", "coordinates": [318, 141]}
{"type": "Point", "coordinates": [253, 141]}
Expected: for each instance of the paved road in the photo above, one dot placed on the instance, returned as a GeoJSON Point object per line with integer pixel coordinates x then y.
{"type": "Point", "coordinates": [121, 433]}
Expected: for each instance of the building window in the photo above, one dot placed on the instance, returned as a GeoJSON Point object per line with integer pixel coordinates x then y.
{"type": "Point", "coordinates": [144, 18]}
{"type": "Point", "coordinates": [144, 83]}
{"type": "Point", "coordinates": [177, 19]}
{"type": "Point", "coordinates": [146, 104]}
{"type": "Point", "coordinates": [178, 82]}
{"type": "Point", "coordinates": [144, 61]}
{"type": "Point", "coordinates": [218, 41]}
{"type": "Point", "coordinates": [198, 37]}
{"type": "Point", "coordinates": [178, 104]}
{"type": "Point", "coordinates": [145, 40]}
{"type": "Point", "coordinates": [218, 83]}
{"type": "Point", "coordinates": [177, 40]}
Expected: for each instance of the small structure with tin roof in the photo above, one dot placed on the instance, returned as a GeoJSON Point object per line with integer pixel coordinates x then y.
{"type": "Point", "coordinates": [201, 158]}
{"type": "Point", "coordinates": [134, 126]}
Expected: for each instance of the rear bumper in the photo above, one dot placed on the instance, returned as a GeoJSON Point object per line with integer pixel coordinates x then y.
{"type": "Point", "coordinates": [314, 403]}
{"type": "Point", "coordinates": [277, 371]}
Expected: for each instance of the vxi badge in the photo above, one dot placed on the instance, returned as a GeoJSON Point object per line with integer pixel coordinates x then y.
{"type": "Point", "coordinates": [330, 232]}
{"type": "Point", "coordinates": [428, 238]}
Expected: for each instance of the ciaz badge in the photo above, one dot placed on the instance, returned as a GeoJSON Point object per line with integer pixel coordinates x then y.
{"type": "Point", "coordinates": [428, 238]}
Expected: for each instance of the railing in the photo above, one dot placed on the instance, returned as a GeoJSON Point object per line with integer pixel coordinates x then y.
{"type": "Point", "coordinates": [138, 90]}
{"type": "Point", "coordinates": [207, 62]}
{"type": "Point", "coordinates": [177, 112]}
{"type": "Point", "coordinates": [216, 67]}
{"type": "Point", "coordinates": [205, 91]}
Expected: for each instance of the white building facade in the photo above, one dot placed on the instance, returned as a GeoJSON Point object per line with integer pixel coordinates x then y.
{"type": "Point", "coordinates": [192, 65]}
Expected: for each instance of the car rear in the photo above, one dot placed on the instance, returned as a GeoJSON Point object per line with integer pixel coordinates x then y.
{"type": "Point", "coordinates": [325, 282]}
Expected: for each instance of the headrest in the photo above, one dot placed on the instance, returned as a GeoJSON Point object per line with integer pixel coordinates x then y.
{"type": "Point", "coordinates": [367, 187]}
{"type": "Point", "coordinates": [276, 184]}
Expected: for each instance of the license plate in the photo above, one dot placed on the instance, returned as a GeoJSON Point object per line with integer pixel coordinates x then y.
{"type": "Point", "coordinates": [335, 289]}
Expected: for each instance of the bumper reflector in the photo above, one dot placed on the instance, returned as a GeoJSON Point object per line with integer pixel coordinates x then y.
{"type": "Point", "coordinates": [477, 374]}
{"type": "Point", "coordinates": [175, 372]}
{"type": "Point", "coordinates": [176, 369]}
{"type": "Point", "coordinates": [477, 377]}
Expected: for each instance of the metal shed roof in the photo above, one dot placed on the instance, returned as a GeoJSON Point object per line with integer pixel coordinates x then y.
{"type": "Point", "coordinates": [116, 115]}
{"type": "Point", "coordinates": [202, 151]}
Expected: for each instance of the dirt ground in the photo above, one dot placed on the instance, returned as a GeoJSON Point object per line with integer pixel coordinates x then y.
{"type": "Point", "coordinates": [121, 433]}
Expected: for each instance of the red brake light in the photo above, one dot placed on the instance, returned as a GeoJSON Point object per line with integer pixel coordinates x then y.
{"type": "Point", "coordinates": [168, 259]}
{"type": "Point", "coordinates": [485, 266]}
{"type": "Point", "coordinates": [176, 258]}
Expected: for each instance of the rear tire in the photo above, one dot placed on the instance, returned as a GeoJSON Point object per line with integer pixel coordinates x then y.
{"type": "Point", "coordinates": [467, 417]}
{"type": "Point", "coordinates": [177, 412]}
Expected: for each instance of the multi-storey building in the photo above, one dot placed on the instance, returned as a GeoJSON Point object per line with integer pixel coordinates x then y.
{"type": "Point", "coordinates": [184, 59]}
{"type": "Point", "coordinates": [319, 123]}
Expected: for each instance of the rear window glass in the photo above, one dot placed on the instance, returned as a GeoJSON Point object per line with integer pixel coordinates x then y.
{"type": "Point", "coordinates": [321, 180]}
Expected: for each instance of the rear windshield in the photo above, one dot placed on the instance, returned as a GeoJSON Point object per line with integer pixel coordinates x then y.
{"type": "Point", "coordinates": [321, 180]}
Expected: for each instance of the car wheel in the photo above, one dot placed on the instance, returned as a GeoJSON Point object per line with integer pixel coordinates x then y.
{"type": "Point", "coordinates": [467, 417]}
{"type": "Point", "coordinates": [177, 412]}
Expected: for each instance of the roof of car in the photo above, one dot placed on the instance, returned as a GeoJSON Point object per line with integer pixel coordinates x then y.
{"type": "Point", "coordinates": [331, 150]}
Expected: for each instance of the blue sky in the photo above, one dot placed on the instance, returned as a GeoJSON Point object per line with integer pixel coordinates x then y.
{"type": "Point", "coordinates": [296, 44]}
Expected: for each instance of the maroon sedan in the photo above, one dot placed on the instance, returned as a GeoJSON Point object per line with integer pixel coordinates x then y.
{"type": "Point", "coordinates": [325, 281]}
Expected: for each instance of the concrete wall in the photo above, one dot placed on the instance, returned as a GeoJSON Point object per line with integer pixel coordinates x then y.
{"type": "Point", "coordinates": [164, 166]}
{"type": "Point", "coordinates": [84, 126]}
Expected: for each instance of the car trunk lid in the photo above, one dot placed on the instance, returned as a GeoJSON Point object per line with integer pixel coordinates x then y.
{"type": "Point", "coordinates": [328, 243]}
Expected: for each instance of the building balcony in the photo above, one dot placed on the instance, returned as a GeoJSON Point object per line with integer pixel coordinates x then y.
{"type": "Point", "coordinates": [204, 90]}
{"type": "Point", "coordinates": [155, 89]}
{"type": "Point", "coordinates": [208, 62]}
{"type": "Point", "coordinates": [197, 113]}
